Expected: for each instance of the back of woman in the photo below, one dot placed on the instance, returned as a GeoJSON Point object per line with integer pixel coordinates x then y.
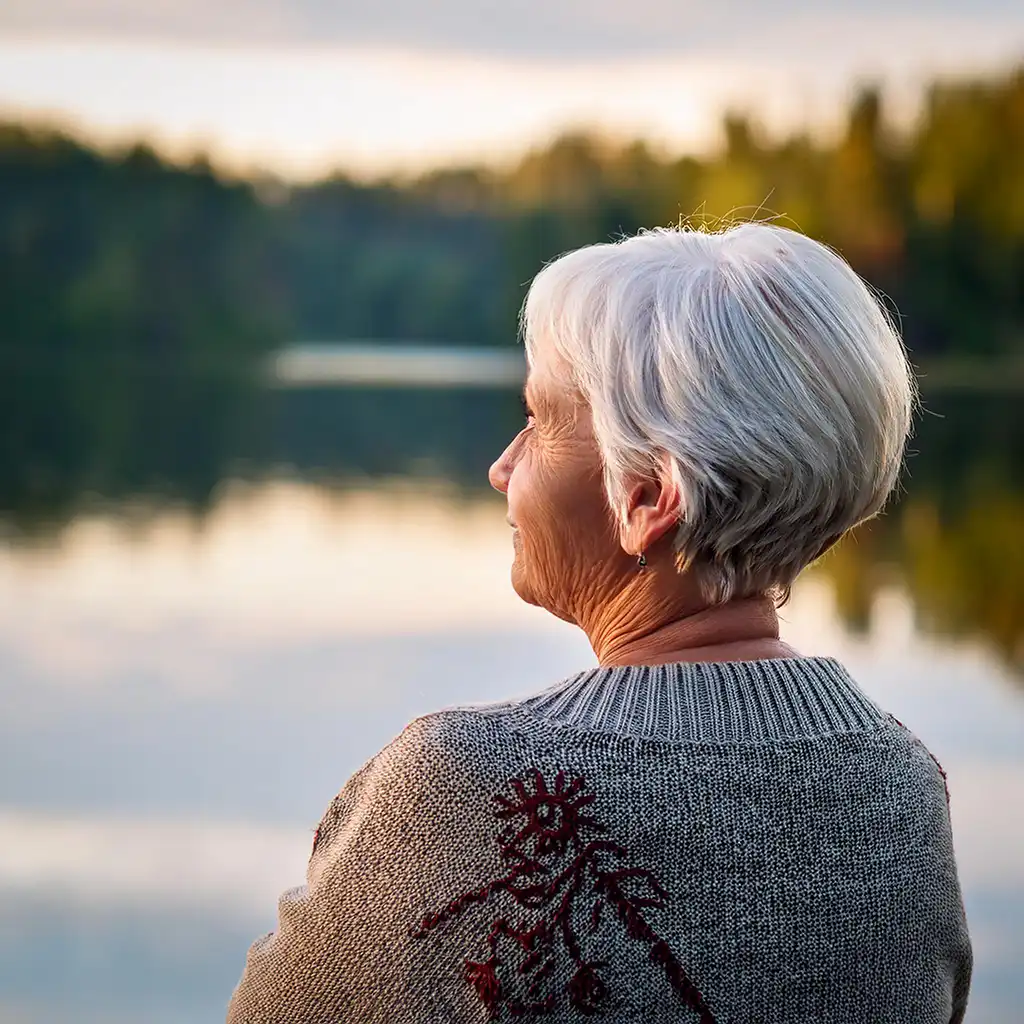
{"type": "Point", "coordinates": [707, 827]}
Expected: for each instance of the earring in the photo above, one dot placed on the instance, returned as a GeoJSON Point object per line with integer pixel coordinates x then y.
{"type": "Point", "coordinates": [642, 561]}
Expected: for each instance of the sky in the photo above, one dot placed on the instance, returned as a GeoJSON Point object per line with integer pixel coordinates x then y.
{"type": "Point", "coordinates": [298, 87]}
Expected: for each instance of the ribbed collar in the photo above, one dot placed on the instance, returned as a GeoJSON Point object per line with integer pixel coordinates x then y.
{"type": "Point", "coordinates": [720, 701]}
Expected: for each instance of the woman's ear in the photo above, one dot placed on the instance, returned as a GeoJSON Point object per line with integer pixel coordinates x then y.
{"type": "Point", "coordinates": [651, 511]}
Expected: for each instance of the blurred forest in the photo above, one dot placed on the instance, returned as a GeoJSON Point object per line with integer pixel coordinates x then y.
{"type": "Point", "coordinates": [139, 299]}
{"type": "Point", "coordinates": [127, 253]}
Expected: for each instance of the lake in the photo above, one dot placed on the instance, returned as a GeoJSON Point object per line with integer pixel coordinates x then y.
{"type": "Point", "coordinates": [192, 670]}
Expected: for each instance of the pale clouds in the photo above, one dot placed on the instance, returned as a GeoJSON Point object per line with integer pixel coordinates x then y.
{"type": "Point", "coordinates": [556, 29]}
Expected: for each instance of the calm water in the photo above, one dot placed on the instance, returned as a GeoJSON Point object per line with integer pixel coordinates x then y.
{"type": "Point", "coordinates": [184, 694]}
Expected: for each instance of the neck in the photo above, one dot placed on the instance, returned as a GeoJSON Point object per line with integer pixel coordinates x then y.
{"type": "Point", "coordinates": [639, 629]}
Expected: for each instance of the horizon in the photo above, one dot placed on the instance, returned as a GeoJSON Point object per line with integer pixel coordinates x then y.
{"type": "Point", "coordinates": [900, 112]}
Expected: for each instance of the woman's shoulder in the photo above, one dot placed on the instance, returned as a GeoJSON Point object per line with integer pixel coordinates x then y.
{"type": "Point", "coordinates": [442, 743]}
{"type": "Point", "coordinates": [458, 736]}
{"type": "Point", "coordinates": [466, 728]}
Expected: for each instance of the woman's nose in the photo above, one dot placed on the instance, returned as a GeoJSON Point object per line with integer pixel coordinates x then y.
{"type": "Point", "coordinates": [500, 471]}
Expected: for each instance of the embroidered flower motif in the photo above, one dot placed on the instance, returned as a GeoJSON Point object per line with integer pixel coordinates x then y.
{"type": "Point", "coordinates": [553, 819]}
{"type": "Point", "coordinates": [553, 847]}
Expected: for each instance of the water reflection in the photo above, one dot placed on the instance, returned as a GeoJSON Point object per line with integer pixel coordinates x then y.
{"type": "Point", "coordinates": [184, 695]}
{"type": "Point", "coordinates": [954, 542]}
{"type": "Point", "coordinates": [955, 538]}
{"type": "Point", "coordinates": [200, 642]}
{"type": "Point", "coordinates": [964, 570]}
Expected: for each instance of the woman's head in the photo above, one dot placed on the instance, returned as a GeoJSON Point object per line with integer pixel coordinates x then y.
{"type": "Point", "coordinates": [730, 403]}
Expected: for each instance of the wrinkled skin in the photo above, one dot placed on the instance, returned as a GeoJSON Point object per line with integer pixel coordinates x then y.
{"type": "Point", "coordinates": [575, 560]}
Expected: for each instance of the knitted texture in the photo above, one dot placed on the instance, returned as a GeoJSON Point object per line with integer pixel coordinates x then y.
{"type": "Point", "coordinates": [716, 843]}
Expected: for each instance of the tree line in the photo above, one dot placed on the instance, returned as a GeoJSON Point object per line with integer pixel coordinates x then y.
{"type": "Point", "coordinates": [127, 252]}
{"type": "Point", "coordinates": [138, 297]}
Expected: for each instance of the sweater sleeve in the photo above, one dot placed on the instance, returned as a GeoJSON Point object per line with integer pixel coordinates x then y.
{"type": "Point", "coordinates": [951, 930]}
{"type": "Point", "coordinates": [341, 950]}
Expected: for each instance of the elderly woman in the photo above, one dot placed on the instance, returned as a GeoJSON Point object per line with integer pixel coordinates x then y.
{"type": "Point", "coordinates": [708, 827]}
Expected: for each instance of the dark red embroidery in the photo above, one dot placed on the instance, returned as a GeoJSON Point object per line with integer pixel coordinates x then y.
{"type": "Point", "coordinates": [550, 863]}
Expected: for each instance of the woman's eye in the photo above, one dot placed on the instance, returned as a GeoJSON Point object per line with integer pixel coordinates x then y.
{"type": "Point", "coordinates": [527, 411]}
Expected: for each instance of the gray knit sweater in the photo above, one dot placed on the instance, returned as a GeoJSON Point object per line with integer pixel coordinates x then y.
{"type": "Point", "coordinates": [724, 843]}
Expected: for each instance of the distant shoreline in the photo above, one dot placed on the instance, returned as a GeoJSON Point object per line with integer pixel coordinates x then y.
{"type": "Point", "coordinates": [360, 363]}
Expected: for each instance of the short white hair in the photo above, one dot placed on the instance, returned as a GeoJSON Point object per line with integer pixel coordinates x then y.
{"type": "Point", "coordinates": [758, 364]}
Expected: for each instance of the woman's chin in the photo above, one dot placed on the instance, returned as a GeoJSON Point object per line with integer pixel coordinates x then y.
{"type": "Point", "coordinates": [520, 580]}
